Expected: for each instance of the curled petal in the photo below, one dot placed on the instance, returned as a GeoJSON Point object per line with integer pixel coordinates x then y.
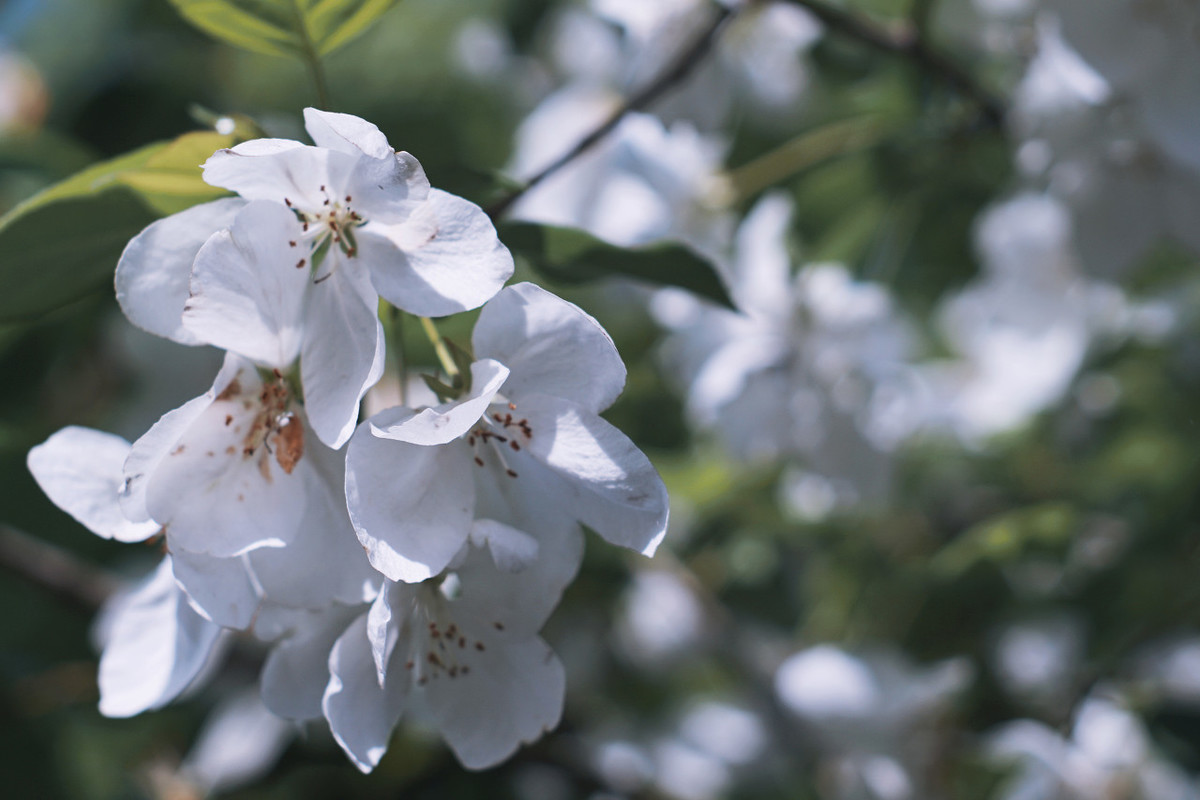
{"type": "Point", "coordinates": [361, 713]}
{"type": "Point", "coordinates": [447, 422]}
{"type": "Point", "coordinates": [552, 347]}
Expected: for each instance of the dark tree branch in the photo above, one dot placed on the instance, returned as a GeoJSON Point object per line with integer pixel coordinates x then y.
{"type": "Point", "coordinates": [906, 40]}
{"type": "Point", "coordinates": [54, 570]}
{"type": "Point", "coordinates": [678, 70]}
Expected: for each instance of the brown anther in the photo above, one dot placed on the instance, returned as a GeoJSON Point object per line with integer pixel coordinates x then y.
{"type": "Point", "coordinates": [512, 406]}
{"type": "Point", "coordinates": [347, 198]}
{"type": "Point", "coordinates": [351, 252]}
{"type": "Point", "coordinates": [510, 473]}
{"type": "Point", "coordinates": [291, 244]}
{"type": "Point", "coordinates": [471, 440]}
{"type": "Point", "coordinates": [479, 461]}
{"type": "Point", "coordinates": [513, 444]}
{"type": "Point", "coordinates": [322, 187]}
{"type": "Point", "coordinates": [287, 202]}
{"type": "Point", "coordinates": [462, 642]}
{"type": "Point", "coordinates": [305, 227]}
{"type": "Point", "coordinates": [479, 646]}
{"type": "Point", "coordinates": [228, 420]}
{"type": "Point", "coordinates": [498, 626]}
{"type": "Point", "coordinates": [408, 664]}
{"type": "Point", "coordinates": [230, 450]}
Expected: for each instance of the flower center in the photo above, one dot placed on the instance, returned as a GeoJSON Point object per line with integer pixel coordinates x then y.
{"type": "Point", "coordinates": [497, 429]}
{"type": "Point", "coordinates": [331, 225]}
{"type": "Point", "coordinates": [275, 431]}
{"type": "Point", "coordinates": [438, 647]}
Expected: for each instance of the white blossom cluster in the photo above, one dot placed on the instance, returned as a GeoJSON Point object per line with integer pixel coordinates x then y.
{"type": "Point", "coordinates": [400, 565]}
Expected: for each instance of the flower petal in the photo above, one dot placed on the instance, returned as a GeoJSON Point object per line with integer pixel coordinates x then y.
{"type": "Point", "coordinates": [324, 564]}
{"type": "Point", "coordinates": [247, 294]}
{"type": "Point", "coordinates": [219, 589]}
{"type": "Point", "coordinates": [80, 470]}
{"type": "Point", "coordinates": [552, 347]}
{"type": "Point", "coordinates": [276, 170]}
{"type": "Point", "coordinates": [512, 550]}
{"type": "Point", "coordinates": [361, 714]}
{"type": "Point", "coordinates": [513, 695]}
{"type": "Point", "coordinates": [411, 505]}
{"type": "Point", "coordinates": [216, 497]}
{"type": "Point", "coordinates": [153, 272]}
{"type": "Point", "coordinates": [156, 646]}
{"type": "Point", "coordinates": [347, 133]}
{"type": "Point", "coordinates": [296, 671]}
{"type": "Point", "coordinates": [149, 450]}
{"type": "Point", "coordinates": [608, 483]}
{"type": "Point", "coordinates": [447, 422]}
{"type": "Point", "coordinates": [343, 350]}
{"type": "Point", "coordinates": [453, 260]}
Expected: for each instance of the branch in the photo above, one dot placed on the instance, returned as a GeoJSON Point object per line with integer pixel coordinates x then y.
{"type": "Point", "coordinates": [672, 75]}
{"type": "Point", "coordinates": [54, 569]}
{"type": "Point", "coordinates": [905, 39]}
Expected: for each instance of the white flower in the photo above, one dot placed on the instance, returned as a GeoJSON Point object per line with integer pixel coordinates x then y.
{"type": "Point", "coordinates": [525, 447]}
{"type": "Point", "coordinates": [644, 182]}
{"type": "Point", "coordinates": [462, 652]}
{"type": "Point", "coordinates": [299, 261]}
{"type": "Point", "coordinates": [226, 472]}
{"type": "Point", "coordinates": [805, 371]}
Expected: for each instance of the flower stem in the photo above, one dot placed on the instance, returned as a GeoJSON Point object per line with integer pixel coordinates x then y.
{"type": "Point", "coordinates": [439, 347]}
{"type": "Point", "coordinates": [312, 59]}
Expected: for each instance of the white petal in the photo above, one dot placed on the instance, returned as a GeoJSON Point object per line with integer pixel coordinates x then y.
{"type": "Point", "coordinates": [608, 483]}
{"type": "Point", "coordinates": [552, 347]}
{"type": "Point", "coordinates": [447, 422]}
{"type": "Point", "coordinates": [347, 133]}
{"type": "Point", "coordinates": [80, 470]}
{"type": "Point", "coordinates": [220, 589]}
{"type": "Point", "coordinates": [153, 273]}
{"type": "Point", "coordinates": [324, 563]}
{"type": "Point", "coordinates": [296, 672]}
{"type": "Point", "coordinates": [453, 259]}
{"type": "Point", "coordinates": [361, 714]}
{"type": "Point", "coordinates": [247, 293]}
{"type": "Point", "coordinates": [214, 498]}
{"type": "Point", "coordinates": [411, 505]}
{"type": "Point", "coordinates": [383, 629]}
{"type": "Point", "coordinates": [512, 696]}
{"type": "Point", "coordinates": [240, 742]}
{"type": "Point", "coordinates": [156, 646]}
{"type": "Point", "coordinates": [149, 450]}
{"type": "Point", "coordinates": [512, 550]}
{"type": "Point", "coordinates": [343, 350]}
{"type": "Point", "coordinates": [276, 170]}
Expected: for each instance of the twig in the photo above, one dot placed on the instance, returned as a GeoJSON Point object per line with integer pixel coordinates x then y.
{"type": "Point", "coordinates": [672, 75]}
{"type": "Point", "coordinates": [904, 39]}
{"type": "Point", "coordinates": [54, 569]}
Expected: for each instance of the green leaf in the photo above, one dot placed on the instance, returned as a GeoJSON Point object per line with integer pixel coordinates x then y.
{"type": "Point", "coordinates": [62, 242]}
{"type": "Point", "coordinates": [300, 28]}
{"type": "Point", "coordinates": [568, 255]}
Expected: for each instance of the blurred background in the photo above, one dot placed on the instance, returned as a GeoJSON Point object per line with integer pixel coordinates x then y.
{"type": "Point", "coordinates": [934, 511]}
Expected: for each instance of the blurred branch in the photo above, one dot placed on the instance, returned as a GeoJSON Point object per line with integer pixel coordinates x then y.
{"type": "Point", "coordinates": [907, 40]}
{"type": "Point", "coordinates": [53, 569]}
{"type": "Point", "coordinates": [676, 72]}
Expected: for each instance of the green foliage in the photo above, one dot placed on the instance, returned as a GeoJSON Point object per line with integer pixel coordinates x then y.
{"type": "Point", "coordinates": [300, 28]}
{"type": "Point", "coordinates": [65, 240]}
{"type": "Point", "coordinates": [572, 256]}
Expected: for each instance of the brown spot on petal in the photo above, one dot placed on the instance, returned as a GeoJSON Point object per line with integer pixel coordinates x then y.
{"type": "Point", "coordinates": [289, 444]}
{"type": "Point", "coordinates": [234, 388]}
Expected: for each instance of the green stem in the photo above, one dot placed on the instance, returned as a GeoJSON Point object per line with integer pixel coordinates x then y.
{"type": "Point", "coordinates": [439, 347]}
{"type": "Point", "coordinates": [804, 151]}
{"type": "Point", "coordinates": [312, 59]}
